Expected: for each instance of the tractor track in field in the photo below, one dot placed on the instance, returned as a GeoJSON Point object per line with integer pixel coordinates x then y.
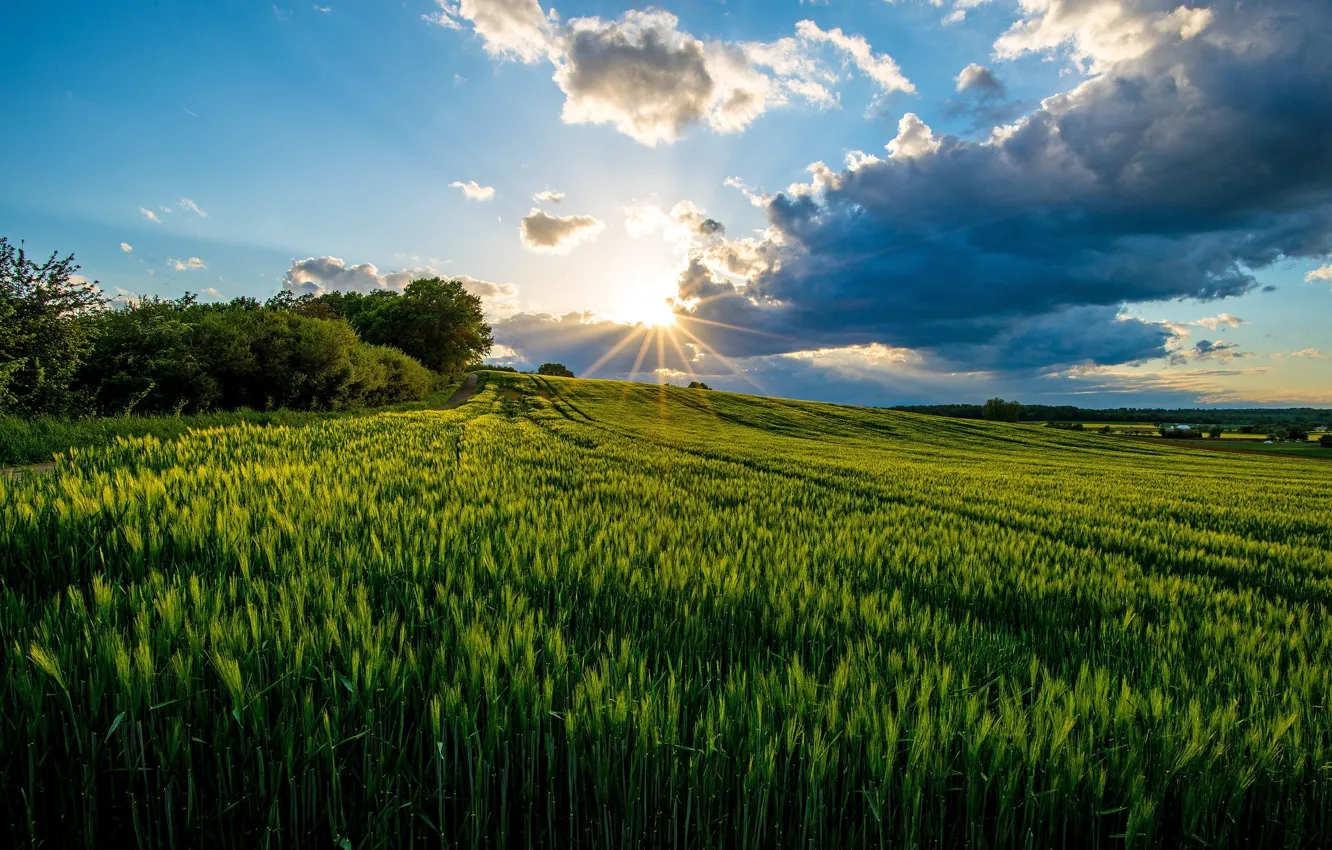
{"type": "Point", "coordinates": [462, 394]}
{"type": "Point", "coordinates": [32, 468]}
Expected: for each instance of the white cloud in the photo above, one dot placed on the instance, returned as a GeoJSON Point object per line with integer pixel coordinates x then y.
{"type": "Point", "coordinates": [797, 70]}
{"type": "Point", "coordinates": [1097, 33]}
{"type": "Point", "coordinates": [1313, 353]}
{"type": "Point", "coordinates": [127, 247]}
{"type": "Point", "coordinates": [316, 275]}
{"type": "Point", "coordinates": [856, 160]}
{"type": "Point", "coordinates": [474, 191]}
{"type": "Point", "coordinates": [186, 265]}
{"type": "Point", "coordinates": [882, 69]}
{"type": "Point", "coordinates": [756, 198]}
{"type": "Point", "coordinates": [978, 78]}
{"type": "Point", "coordinates": [1325, 273]}
{"type": "Point", "coordinates": [540, 231]}
{"type": "Point", "coordinates": [684, 223]}
{"type": "Point", "coordinates": [1221, 320]}
{"type": "Point", "coordinates": [960, 9]}
{"type": "Point", "coordinates": [187, 204]}
{"type": "Point", "coordinates": [548, 196]}
{"type": "Point", "coordinates": [513, 29]}
{"type": "Point", "coordinates": [150, 215]}
{"type": "Point", "coordinates": [650, 80]}
{"type": "Point", "coordinates": [824, 178]}
{"type": "Point", "coordinates": [914, 138]}
{"type": "Point", "coordinates": [324, 9]}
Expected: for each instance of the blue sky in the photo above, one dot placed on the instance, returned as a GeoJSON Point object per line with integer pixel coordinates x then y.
{"type": "Point", "coordinates": [284, 145]}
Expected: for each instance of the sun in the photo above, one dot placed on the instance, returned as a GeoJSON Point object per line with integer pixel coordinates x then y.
{"type": "Point", "coordinates": [646, 298]}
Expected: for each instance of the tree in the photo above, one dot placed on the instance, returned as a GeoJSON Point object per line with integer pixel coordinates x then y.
{"type": "Point", "coordinates": [145, 360]}
{"type": "Point", "coordinates": [998, 410]}
{"type": "Point", "coordinates": [45, 331]}
{"type": "Point", "coordinates": [558, 370]}
{"type": "Point", "coordinates": [698, 385]}
{"type": "Point", "coordinates": [1215, 432]}
{"type": "Point", "coordinates": [1294, 433]}
{"type": "Point", "coordinates": [1325, 441]}
{"type": "Point", "coordinates": [436, 321]}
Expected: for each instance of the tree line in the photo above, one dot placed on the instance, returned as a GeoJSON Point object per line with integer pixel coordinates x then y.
{"type": "Point", "coordinates": [555, 370]}
{"type": "Point", "coordinates": [65, 351]}
{"type": "Point", "coordinates": [1262, 419]}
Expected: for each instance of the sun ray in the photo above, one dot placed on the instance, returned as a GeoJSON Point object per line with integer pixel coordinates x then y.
{"type": "Point", "coordinates": [661, 387]}
{"type": "Point", "coordinates": [638, 362]}
{"type": "Point", "coordinates": [678, 350]}
{"type": "Point", "coordinates": [710, 350]}
{"type": "Point", "coordinates": [609, 354]}
{"type": "Point", "coordinates": [642, 353]}
{"type": "Point", "coordinates": [687, 364]}
{"type": "Point", "coordinates": [782, 337]}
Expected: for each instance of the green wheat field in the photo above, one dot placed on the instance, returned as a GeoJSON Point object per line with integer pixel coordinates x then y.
{"type": "Point", "coordinates": [584, 613]}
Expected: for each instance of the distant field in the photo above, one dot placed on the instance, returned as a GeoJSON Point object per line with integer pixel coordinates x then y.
{"type": "Point", "coordinates": [1250, 443]}
{"type": "Point", "coordinates": [1118, 427]}
{"type": "Point", "coordinates": [1303, 450]}
{"type": "Point", "coordinates": [1246, 442]}
{"type": "Point", "coordinates": [603, 614]}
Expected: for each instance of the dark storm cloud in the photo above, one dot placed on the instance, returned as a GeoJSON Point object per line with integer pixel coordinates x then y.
{"type": "Point", "coordinates": [1173, 175]}
{"type": "Point", "coordinates": [1206, 349]}
{"type": "Point", "coordinates": [983, 99]}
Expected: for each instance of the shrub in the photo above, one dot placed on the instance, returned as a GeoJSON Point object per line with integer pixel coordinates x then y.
{"type": "Point", "coordinates": [45, 332]}
{"type": "Point", "coordinates": [382, 375]}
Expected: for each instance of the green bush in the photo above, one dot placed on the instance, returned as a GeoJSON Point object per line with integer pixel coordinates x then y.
{"type": "Point", "coordinates": [383, 375]}
{"type": "Point", "coordinates": [558, 370]}
{"type": "Point", "coordinates": [179, 356]}
{"type": "Point", "coordinates": [45, 332]}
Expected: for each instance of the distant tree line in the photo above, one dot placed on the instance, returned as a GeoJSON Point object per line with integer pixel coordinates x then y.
{"type": "Point", "coordinates": [558, 370]}
{"type": "Point", "coordinates": [1263, 419]}
{"type": "Point", "coordinates": [998, 410]}
{"type": "Point", "coordinates": [65, 352]}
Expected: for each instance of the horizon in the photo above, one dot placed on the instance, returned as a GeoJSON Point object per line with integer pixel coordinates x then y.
{"type": "Point", "coordinates": [1093, 203]}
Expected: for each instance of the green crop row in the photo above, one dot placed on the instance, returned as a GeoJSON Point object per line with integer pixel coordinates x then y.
{"type": "Point", "coordinates": [595, 614]}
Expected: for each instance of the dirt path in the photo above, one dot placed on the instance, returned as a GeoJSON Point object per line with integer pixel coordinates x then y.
{"type": "Point", "coordinates": [464, 392]}
{"type": "Point", "coordinates": [37, 468]}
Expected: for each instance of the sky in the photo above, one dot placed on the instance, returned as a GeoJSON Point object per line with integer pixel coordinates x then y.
{"type": "Point", "coordinates": [1109, 203]}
